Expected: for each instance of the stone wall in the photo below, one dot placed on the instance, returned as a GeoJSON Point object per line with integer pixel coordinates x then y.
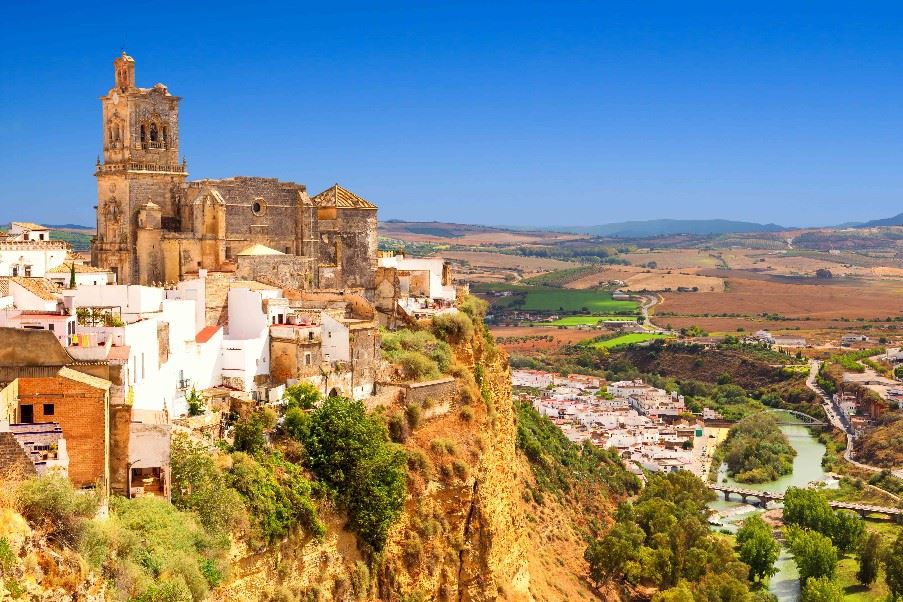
{"type": "Point", "coordinates": [439, 392]}
{"type": "Point", "coordinates": [292, 271]}
{"type": "Point", "coordinates": [14, 462]}
{"type": "Point", "coordinates": [120, 420]}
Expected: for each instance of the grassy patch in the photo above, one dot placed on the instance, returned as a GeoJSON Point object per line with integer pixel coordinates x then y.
{"type": "Point", "coordinates": [628, 339]}
{"type": "Point", "coordinates": [552, 299]}
{"type": "Point", "coordinates": [585, 320]}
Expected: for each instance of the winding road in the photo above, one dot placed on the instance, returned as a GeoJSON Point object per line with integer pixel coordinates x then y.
{"type": "Point", "coordinates": [834, 415]}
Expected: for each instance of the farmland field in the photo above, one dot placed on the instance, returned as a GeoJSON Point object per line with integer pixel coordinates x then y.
{"type": "Point", "coordinates": [573, 300]}
{"type": "Point", "coordinates": [586, 320]}
{"type": "Point", "coordinates": [628, 339]}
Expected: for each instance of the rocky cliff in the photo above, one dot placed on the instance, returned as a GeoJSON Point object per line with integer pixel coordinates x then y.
{"type": "Point", "coordinates": [462, 534]}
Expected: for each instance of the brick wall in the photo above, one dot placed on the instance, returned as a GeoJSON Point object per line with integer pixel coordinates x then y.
{"type": "Point", "coordinates": [82, 412]}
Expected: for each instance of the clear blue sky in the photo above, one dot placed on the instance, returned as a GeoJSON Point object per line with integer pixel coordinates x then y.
{"type": "Point", "coordinates": [496, 113]}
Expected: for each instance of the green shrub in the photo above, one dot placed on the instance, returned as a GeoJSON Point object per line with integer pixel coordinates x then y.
{"type": "Point", "coordinates": [250, 432]}
{"type": "Point", "coordinates": [52, 503]}
{"type": "Point", "coordinates": [466, 414]}
{"type": "Point", "coordinates": [276, 493]}
{"type": "Point", "coordinates": [399, 431]}
{"type": "Point", "coordinates": [473, 307]}
{"type": "Point", "coordinates": [441, 445]}
{"type": "Point", "coordinates": [198, 485]}
{"type": "Point", "coordinates": [7, 556]}
{"type": "Point", "coordinates": [167, 591]}
{"type": "Point", "coordinates": [196, 403]}
{"type": "Point", "coordinates": [296, 423]}
{"type": "Point", "coordinates": [452, 327]}
{"type": "Point", "coordinates": [303, 395]}
{"type": "Point", "coordinates": [416, 366]}
{"type": "Point", "coordinates": [350, 452]}
{"type": "Point", "coordinates": [412, 413]}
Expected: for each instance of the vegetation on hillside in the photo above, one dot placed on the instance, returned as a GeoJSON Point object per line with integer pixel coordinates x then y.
{"type": "Point", "coordinates": [418, 354]}
{"type": "Point", "coordinates": [757, 451]}
{"type": "Point", "coordinates": [662, 540]}
{"type": "Point", "coordinates": [560, 465]}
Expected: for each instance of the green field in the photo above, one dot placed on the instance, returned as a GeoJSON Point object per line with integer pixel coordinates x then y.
{"type": "Point", "coordinates": [558, 299]}
{"type": "Point", "coordinates": [584, 320]}
{"type": "Point", "coordinates": [628, 339]}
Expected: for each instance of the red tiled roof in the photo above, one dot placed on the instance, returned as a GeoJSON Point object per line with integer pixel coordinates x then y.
{"type": "Point", "coordinates": [119, 352]}
{"type": "Point", "coordinates": [206, 334]}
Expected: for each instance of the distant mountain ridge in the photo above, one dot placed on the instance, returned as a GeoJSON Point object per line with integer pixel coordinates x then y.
{"type": "Point", "coordinates": [896, 220]}
{"type": "Point", "coordinates": [661, 227]}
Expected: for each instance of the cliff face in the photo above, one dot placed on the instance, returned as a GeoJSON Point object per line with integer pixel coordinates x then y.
{"type": "Point", "coordinates": [462, 535]}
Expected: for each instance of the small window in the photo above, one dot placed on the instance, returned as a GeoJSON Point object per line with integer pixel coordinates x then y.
{"type": "Point", "coordinates": [307, 359]}
{"type": "Point", "coordinates": [28, 271]}
{"type": "Point", "coordinates": [26, 414]}
{"type": "Point", "coordinates": [259, 207]}
{"type": "Point", "coordinates": [48, 409]}
{"type": "Point", "coordinates": [51, 327]}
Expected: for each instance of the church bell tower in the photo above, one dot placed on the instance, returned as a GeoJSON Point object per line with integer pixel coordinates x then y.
{"type": "Point", "coordinates": [140, 166]}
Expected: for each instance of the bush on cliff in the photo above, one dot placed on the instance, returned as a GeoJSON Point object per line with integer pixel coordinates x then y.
{"type": "Point", "coordinates": [51, 503]}
{"type": "Point", "coordinates": [350, 452]}
{"type": "Point", "coordinates": [453, 327]}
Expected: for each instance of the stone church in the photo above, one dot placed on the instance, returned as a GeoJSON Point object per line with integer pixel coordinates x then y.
{"type": "Point", "coordinates": [153, 225]}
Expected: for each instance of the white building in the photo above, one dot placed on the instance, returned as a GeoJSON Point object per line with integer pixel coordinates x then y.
{"type": "Point", "coordinates": [27, 251]}
{"type": "Point", "coordinates": [427, 277]}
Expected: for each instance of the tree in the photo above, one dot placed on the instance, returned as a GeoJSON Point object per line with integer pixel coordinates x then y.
{"type": "Point", "coordinates": [681, 593]}
{"type": "Point", "coordinates": [608, 557]}
{"type": "Point", "coordinates": [893, 568]}
{"type": "Point", "coordinates": [72, 275]}
{"type": "Point", "coordinates": [350, 452]}
{"type": "Point", "coordinates": [250, 432]}
{"type": "Point", "coordinates": [758, 548]}
{"type": "Point", "coordinates": [195, 401]}
{"type": "Point", "coordinates": [848, 530]}
{"type": "Point", "coordinates": [869, 558]}
{"type": "Point", "coordinates": [823, 274]}
{"type": "Point", "coordinates": [814, 554]}
{"type": "Point", "coordinates": [808, 508]}
{"type": "Point", "coordinates": [303, 395]}
{"type": "Point", "coordinates": [199, 485]}
{"type": "Point", "coordinates": [822, 589]}
{"type": "Point", "coordinates": [296, 424]}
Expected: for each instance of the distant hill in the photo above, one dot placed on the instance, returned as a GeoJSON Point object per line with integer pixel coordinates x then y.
{"type": "Point", "coordinates": [897, 220]}
{"type": "Point", "coordinates": [661, 227]}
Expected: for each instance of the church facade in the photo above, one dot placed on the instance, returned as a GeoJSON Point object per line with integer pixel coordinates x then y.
{"type": "Point", "coordinates": [155, 226]}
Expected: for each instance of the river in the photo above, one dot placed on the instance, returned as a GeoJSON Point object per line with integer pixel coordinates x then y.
{"type": "Point", "coordinates": [806, 468]}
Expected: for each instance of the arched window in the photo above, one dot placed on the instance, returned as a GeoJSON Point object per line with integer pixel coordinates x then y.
{"type": "Point", "coordinates": [143, 137]}
{"type": "Point", "coordinates": [153, 132]}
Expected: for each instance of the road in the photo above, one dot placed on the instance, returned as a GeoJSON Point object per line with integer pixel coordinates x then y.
{"type": "Point", "coordinates": [838, 422]}
{"type": "Point", "coordinates": [647, 302]}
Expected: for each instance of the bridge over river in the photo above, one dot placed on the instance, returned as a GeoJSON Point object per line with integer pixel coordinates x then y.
{"type": "Point", "coordinates": [864, 510]}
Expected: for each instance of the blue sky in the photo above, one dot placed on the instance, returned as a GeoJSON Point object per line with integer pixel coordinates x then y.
{"type": "Point", "coordinates": [523, 113]}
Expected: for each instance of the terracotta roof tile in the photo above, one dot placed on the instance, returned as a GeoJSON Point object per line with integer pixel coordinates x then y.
{"type": "Point", "coordinates": [80, 268]}
{"type": "Point", "coordinates": [206, 333]}
{"type": "Point", "coordinates": [85, 379]}
{"type": "Point", "coordinates": [39, 287]}
{"type": "Point", "coordinates": [28, 226]}
{"type": "Point", "coordinates": [342, 198]}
